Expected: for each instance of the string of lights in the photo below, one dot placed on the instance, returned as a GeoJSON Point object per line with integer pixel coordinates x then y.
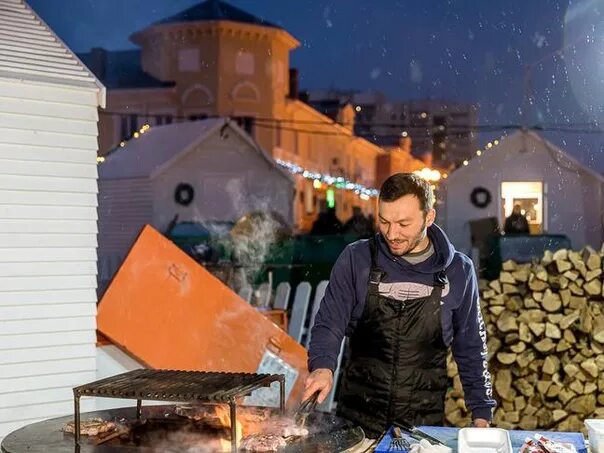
{"type": "Point", "coordinates": [339, 182]}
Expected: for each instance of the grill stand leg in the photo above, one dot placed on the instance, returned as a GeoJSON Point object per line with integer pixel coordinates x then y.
{"type": "Point", "coordinates": [139, 405]}
{"type": "Point", "coordinates": [76, 421]}
{"type": "Point", "coordinates": [282, 394]}
{"type": "Point", "coordinates": [233, 405]}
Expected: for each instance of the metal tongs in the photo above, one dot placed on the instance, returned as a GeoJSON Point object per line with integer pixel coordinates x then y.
{"type": "Point", "coordinates": [306, 408]}
{"type": "Point", "coordinates": [416, 433]}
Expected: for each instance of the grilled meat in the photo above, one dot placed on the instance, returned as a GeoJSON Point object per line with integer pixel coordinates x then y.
{"type": "Point", "coordinates": [262, 442]}
{"type": "Point", "coordinates": [91, 427]}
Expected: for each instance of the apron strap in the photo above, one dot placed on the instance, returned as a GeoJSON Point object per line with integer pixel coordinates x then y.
{"type": "Point", "coordinates": [375, 273]}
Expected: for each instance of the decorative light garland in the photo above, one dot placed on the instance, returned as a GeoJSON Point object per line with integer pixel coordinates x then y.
{"type": "Point", "coordinates": [137, 134]}
{"type": "Point", "coordinates": [339, 182]}
{"type": "Point", "coordinates": [480, 152]}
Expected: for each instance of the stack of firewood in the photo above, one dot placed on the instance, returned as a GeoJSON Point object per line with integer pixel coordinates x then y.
{"type": "Point", "coordinates": [545, 323]}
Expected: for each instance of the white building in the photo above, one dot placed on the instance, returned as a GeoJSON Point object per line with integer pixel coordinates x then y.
{"type": "Point", "coordinates": [224, 171]}
{"type": "Point", "coordinates": [48, 200]}
{"type": "Point", "coordinates": [557, 193]}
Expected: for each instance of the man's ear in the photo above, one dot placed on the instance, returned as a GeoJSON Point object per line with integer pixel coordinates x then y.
{"type": "Point", "coordinates": [430, 217]}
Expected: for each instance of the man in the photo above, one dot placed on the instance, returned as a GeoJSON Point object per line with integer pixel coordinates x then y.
{"type": "Point", "coordinates": [402, 297]}
{"type": "Point", "coordinates": [516, 223]}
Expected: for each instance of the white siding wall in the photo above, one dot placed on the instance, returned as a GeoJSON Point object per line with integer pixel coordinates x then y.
{"type": "Point", "coordinates": [125, 206]}
{"type": "Point", "coordinates": [571, 195]}
{"type": "Point", "coordinates": [229, 178]}
{"type": "Point", "coordinates": [48, 147]}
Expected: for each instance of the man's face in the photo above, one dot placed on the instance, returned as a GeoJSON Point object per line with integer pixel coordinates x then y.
{"type": "Point", "coordinates": [403, 223]}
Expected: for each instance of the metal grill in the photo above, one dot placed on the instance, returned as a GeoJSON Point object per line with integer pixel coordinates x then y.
{"type": "Point", "coordinates": [181, 386]}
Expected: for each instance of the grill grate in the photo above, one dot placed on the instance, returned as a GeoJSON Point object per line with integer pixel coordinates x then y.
{"type": "Point", "coordinates": [181, 386]}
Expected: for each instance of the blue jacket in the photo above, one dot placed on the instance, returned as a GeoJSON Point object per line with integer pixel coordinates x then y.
{"type": "Point", "coordinates": [462, 323]}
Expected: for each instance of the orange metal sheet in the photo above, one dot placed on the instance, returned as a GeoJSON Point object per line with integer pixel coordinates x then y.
{"type": "Point", "coordinates": [169, 312]}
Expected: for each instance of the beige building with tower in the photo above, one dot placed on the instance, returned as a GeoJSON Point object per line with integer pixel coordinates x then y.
{"type": "Point", "coordinates": [217, 60]}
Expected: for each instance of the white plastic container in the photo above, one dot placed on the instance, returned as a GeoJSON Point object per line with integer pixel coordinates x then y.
{"type": "Point", "coordinates": [595, 432]}
{"type": "Point", "coordinates": [484, 440]}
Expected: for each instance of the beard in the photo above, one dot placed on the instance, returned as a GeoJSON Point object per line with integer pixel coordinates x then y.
{"type": "Point", "coordinates": [411, 243]}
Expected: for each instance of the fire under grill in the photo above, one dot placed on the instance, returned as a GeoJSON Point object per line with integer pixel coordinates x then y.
{"type": "Point", "coordinates": [179, 386]}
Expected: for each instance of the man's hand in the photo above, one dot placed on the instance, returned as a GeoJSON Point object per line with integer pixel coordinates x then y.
{"type": "Point", "coordinates": [320, 379]}
{"type": "Point", "coordinates": [481, 423]}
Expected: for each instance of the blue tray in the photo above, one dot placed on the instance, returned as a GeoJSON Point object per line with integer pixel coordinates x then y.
{"type": "Point", "coordinates": [448, 436]}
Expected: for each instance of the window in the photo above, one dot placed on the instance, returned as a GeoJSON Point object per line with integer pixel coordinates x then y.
{"type": "Point", "coordinates": [246, 123]}
{"type": "Point", "coordinates": [128, 125]}
{"type": "Point", "coordinates": [163, 119]}
{"type": "Point", "coordinates": [197, 116]}
{"type": "Point", "coordinates": [244, 63]}
{"type": "Point", "coordinates": [529, 196]}
{"type": "Point", "coordinates": [188, 60]}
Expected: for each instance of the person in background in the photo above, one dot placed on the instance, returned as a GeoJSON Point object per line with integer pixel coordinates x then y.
{"type": "Point", "coordinates": [358, 225]}
{"type": "Point", "coordinates": [403, 297]}
{"type": "Point", "coordinates": [516, 223]}
{"type": "Point", "coordinates": [326, 224]}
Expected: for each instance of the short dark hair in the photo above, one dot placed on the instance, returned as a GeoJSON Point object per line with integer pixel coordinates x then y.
{"type": "Point", "coordinates": [401, 184]}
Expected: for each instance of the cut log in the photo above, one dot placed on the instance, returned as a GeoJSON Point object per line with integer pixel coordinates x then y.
{"type": "Point", "coordinates": [510, 289]}
{"type": "Point", "coordinates": [575, 258]}
{"type": "Point", "coordinates": [584, 404]}
{"type": "Point", "coordinates": [529, 302]}
{"type": "Point", "coordinates": [577, 387]}
{"type": "Point", "coordinates": [543, 387]}
{"type": "Point", "coordinates": [569, 320]}
{"type": "Point", "coordinates": [565, 296]}
{"type": "Point", "coordinates": [531, 316]}
{"type": "Point", "coordinates": [525, 358]}
{"type": "Point", "coordinates": [566, 395]}
{"type": "Point", "coordinates": [552, 331]}
{"type": "Point", "coordinates": [544, 346]}
{"type": "Point", "coordinates": [590, 387]}
{"type": "Point", "coordinates": [519, 403]}
{"type": "Point", "coordinates": [496, 310]}
{"type": "Point", "coordinates": [571, 369]}
{"type": "Point", "coordinates": [597, 331]}
{"type": "Point", "coordinates": [562, 346]}
{"type": "Point", "coordinates": [569, 336]}
{"type": "Point", "coordinates": [521, 275]}
{"type": "Point", "coordinates": [518, 348]}
{"type": "Point", "coordinates": [561, 254]}
{"type": "Point", "coordinates": [553, 391]}
{"type": "Point", "coordinates": [503, 383]}
{"type": "Point", "coordinates": [559, 414]}
{"type": "Point", "coordinates": [512, 417]}
{"type": "Point", "coordinates": [593, 288]}
{"type": "Point", "coordinates": [592, 274]}
{"type": "Point", "coordinates": [507, 322]}
{"type": "Point", "coordinates": [536, 284]}
{"type": "Point", "coordinates": [524, 333]}
{"type": "Point", "coordinates": [495, 285]}
{"type": "Point", "coordinates": [514, 304]}
{"type": "Point", "coordinates": [585, 320]}
{"type": "Point", "coordinates": [528, 422]}
{"type": "Point", "coordinates": [591, 259]}
{"type": "Point", "coordinates": [551, 364]}
{"type": "Point", "coordinates": [524, 387]}
{"type": "Point", "coordinates": [551, 301]}
{"type": "Point", "coordinates": [538, 328]}
{"type": "Point", "coordinates": [576, 289]}
{"type": "Point", "coordinates": [506, 277]}
{"type": "Point", "coordinates": [577, 302]}
{"type": "Point", "coordinates": [572, 275]}
{"type": "Point", "coordinates": [511, 338]}
{"type": "Point", "coordinates": [590, 367]}
{"type": "Point", "coordinates": [509, 266]}
{"type": "Point", "coordinates": [563, 265]}
{"type": "Point", "coordinates": [506, 358]}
